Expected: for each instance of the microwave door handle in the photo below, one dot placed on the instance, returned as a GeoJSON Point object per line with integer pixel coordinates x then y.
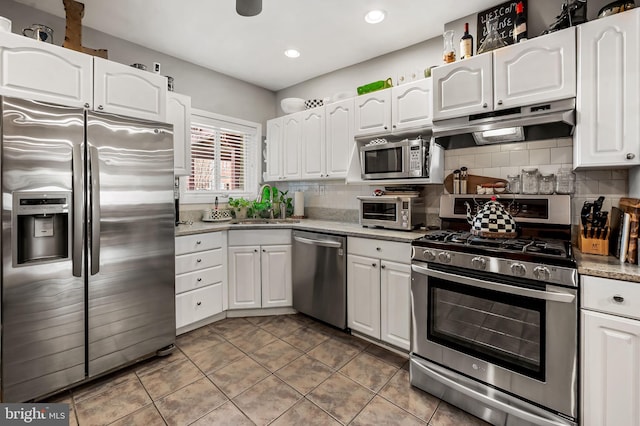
{"type": "Point", "coordinates": [78, 206]}
{"type": "Point", "coordinates": [94, 161]}
{"type": "Point", "coordinates": [551, 296]}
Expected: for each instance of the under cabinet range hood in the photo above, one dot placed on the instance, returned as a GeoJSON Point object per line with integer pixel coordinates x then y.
{"type": "Point", "coordinates": [534, 122]}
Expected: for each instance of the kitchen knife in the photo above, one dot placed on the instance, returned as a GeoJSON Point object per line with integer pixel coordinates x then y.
{"type": "Point", "coordinates": [584, 216]}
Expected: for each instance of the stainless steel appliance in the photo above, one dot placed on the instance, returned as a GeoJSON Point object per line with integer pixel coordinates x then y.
{"type": "Point", "coordinates": [495, 321]}
{"type": "Point", "coordinates": [408, 158]}
{"type": "Point", "coordinates": [402, 211]}
{"type": "Point", "coordinates": [320, 276]}
{"type": "Point", "coordinates": [87, 245]}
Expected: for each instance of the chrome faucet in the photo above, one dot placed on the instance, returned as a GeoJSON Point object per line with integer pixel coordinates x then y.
{"type": "Point", "coordinates": [259, 199]}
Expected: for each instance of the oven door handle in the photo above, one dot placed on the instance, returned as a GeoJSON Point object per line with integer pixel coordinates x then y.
{"type": "Point", "coordinates": [552, 296]}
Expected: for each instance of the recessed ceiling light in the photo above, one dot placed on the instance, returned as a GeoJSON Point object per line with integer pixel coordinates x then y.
{"type": "Point", "coordinates": [375, 16]}
{"type": "Point", "coordinates": [291, 53]}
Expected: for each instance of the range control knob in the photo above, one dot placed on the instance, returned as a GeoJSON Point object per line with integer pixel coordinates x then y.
{"type": "Point", "coordinates": [518, 269]}
{"type": "Point", "coordinates": [428, 255]}
{"type": "Point", "coordinates": [444, 257]}
{"type": "Point", "coordinates": [479, 263]}
{"type": "Point", "coordinates": [542, 273]}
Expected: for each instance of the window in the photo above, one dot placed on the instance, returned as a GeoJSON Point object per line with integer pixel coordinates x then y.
{"type": "Point", "coordinates": [224, 158]}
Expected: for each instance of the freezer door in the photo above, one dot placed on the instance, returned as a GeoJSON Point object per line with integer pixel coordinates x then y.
{"type": "Point", "coordinates": [43, 322]}
{"type": "Point", "coordinates": [131, 261]}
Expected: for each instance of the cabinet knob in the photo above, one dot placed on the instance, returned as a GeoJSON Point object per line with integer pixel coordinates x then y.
{"type": "Point", "coordinates": [86, 105]}
{"type": "Point", "coordinates": [100, 107]}
{"type": "Point", "coordinates": [255, 250]}
{"type": "Point", "coordinates": [382, 266]}
{"type": "Point", "coordinates": [198, 260]}
{"type": "Point", "coordinates": [385, 127]}
{"type": "Point", "coordinates": [378, 249]}
{"type": "Point", "coordinates": [618, 299]}
{"type": "Point", "coordinates": [499, 102]}
{"type": "Point", "coordinates": [198, 242]}
{"type": "Point", "coordinates": [394, 126]}
{"type": "Point", "coordinates": [199, 303]}
{"type": "Point", "coordinates": [631, 156]}
{"type": "Point", "coordinates": [199, 280]}
{"type": "Point", "coordinates": [264, 251]}
{"type": "Point", "coordinates": [484, 105]}
{"type": "Point", "coordinates": [374, 264]}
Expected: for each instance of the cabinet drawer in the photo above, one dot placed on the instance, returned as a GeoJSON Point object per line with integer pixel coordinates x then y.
{"type": "Point", "coordinates": [600, 294]}
{"type": "Point", "coordinates": [380, 249]}
{"type": "Point", "coordinates": [251, 237]}
{"type": "Point", "coordinates": [195, 261]}
{"type": "Point", "coordinates": [197, 279]}
{"type": "Point", "coordinates": [193, 243]}
{"type": "Point", "coordinates": [198, 304]}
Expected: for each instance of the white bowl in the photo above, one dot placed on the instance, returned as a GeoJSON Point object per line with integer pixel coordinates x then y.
{"type": "Point", "coordinates": [291, 105]}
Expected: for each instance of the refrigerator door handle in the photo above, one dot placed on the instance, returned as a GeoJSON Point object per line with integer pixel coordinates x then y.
{"type": "Point", "coordinates": [78, 204]}
{"type": "Point", "coordinates": [95, 210]}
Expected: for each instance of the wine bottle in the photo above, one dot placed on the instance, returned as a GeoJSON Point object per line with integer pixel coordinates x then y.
{"type": "Point", "coordinates": [466, 43]}
{"type": "Point", "coordinates": [520, 26]}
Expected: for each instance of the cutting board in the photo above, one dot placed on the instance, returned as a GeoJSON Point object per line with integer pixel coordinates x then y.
{"type": "Point", "coordinates": [472, 182]}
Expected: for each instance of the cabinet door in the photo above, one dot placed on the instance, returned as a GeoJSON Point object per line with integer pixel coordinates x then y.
{"type": "Point", "coordinates": [338, 138]}
{"type": "Point", "coordinates": [292, 130]}
{"type": "Point", "coordinates": [607, 127]}
{"type": "Point", "coordinates": [363, 295]}
{"type": "Point", "coordinates": [610, 370]}
{"type": "Point", "coordinates": [276, 276]}
{"type": "Point", "coordinates": [31, 69]}
{"type": "Point", "coordinates": [244, 277]}
{"type": "Point", "coordinates": [274, 153]}
{"type": "Point", "coordinates": [179, 114]}
{"type": "Point", "coordinates": [412, 105]}
{"type": "Point", "coordinates": [395, 304]}
{"type": "Point", "coordinates": [313, 144]}
{"type": "Point", "coordinates": [373, 113]}
{"type": "Point", "coordinates": [463, 88]}
{"type": "Point", "coordinates": [121, 89]}
{"type": "Point", "coordinates": [542, 69]}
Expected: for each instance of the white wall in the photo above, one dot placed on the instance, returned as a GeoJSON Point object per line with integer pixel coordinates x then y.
{"type": "Point", "coordinates": [209, 90]}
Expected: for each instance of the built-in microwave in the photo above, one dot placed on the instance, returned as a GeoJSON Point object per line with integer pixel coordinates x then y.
{"type": "Point", "coordinates": [382, 159]}
{"type": "Point", "coordinates": [404, 212]}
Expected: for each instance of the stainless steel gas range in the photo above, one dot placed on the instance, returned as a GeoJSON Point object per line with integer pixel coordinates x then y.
{"type": "Point", "coordinates": [495, 321]}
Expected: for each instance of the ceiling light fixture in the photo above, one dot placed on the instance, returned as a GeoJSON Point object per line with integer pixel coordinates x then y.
{"type": "Point", "coordinates": [291, 53]}
{"type": "Point", "coordinates": [248, 7]}
{"type": "Point", "coordinates": [375, 16]}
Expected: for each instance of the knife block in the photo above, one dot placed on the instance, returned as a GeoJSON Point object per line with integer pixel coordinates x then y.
{"type": "Point", "coordinates": [599, 246]}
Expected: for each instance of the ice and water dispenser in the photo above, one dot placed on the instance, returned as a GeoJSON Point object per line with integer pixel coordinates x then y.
{"type": "Point", "coordinates": [41, 225]}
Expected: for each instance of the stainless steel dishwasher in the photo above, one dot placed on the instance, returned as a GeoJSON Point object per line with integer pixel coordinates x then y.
{"type": "Point", "coordinates": [320, 276]}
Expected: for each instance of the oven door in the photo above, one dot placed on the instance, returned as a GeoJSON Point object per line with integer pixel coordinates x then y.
{"type": "Point", "coordinates": [380, 213]}
{"type": "Point", "coordinates": [520, 337]}
{"type": "Point", "coordinates": [386, 161]}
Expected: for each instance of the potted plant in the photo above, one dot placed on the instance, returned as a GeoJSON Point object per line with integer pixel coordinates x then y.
{"type": "Point", "coordinates": [239, 207]}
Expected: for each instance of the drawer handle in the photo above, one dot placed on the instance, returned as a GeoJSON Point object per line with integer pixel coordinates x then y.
{"type": "Point", "coordinates": [198, 260]}
{"type": "Point", "coordinates": [618, 299]}
{"type": "Point", "coordinates": [199, 303]}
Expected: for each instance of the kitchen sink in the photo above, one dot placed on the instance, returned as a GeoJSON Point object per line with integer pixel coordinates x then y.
{"type": "Point", "coordinates": [262, 221]}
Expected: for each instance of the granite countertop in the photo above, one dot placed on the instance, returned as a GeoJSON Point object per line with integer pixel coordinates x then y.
{"type": "Point", "coordinates": [341, 228]}
{"type": "Point", "coordinates": [606, 267]}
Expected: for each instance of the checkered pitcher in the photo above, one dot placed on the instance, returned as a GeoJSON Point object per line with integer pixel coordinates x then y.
{"type": "Point", "coordinates": [492, 220]}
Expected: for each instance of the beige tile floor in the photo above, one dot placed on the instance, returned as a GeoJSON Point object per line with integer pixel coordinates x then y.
{"type": "Point", "coordinates": [279, 370]}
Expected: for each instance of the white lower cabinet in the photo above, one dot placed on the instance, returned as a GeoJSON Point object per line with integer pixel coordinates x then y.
{"type": "Point", "coordinates": [379, 289]}
{"type": "Point", "coordinates": [610, 352]}
{"type": "Point", "coordinates": [201, 277]}
{"type": "Point", "coordinates": [260, 269]}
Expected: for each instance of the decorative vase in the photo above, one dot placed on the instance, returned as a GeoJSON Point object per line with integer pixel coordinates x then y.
{"type": "Point", "coordinates": [241, 212]}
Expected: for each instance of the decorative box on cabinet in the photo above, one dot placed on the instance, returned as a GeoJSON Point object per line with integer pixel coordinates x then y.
{"type": "Point", "coordinates": [179, 114]}
{"type": "Point", "coordinates": [121, 89]}
{"type": "Point", "coordinates": [201, 277]}
{"type": "Point", "coordinates": [607, 130]}
{"type": "Point", "coordinates": [379, 289]}
{"type": "Point", "coordinates": [610, 352]}
{"type": "Point", "coordinates": [31, 69]}
{"type": "Point", "coordinates": [538, 70]}
{"type": "Point", "coordinates": [260, 269]}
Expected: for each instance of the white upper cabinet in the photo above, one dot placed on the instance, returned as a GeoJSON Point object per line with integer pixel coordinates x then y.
{"type": "Point", "coordinates": [462, 88]}
{"type": "Point", "coordinates": [412, 105]}
{"type": "Point", "coordinates": [273, 152]}
{"type": "Point", "coordinates": [373, 113]}
{"type": "Point", "coordinates": [608, 129]}
{"type": "Point", "coordinates": [292, 131]}
{"type": "Point", "coordinates": [179, 114]}
{"type": "Point", "coordinates": [338, 137]}
{"type": "Point", "coordinates": [313, 143]}
{"type": "Point", "coordinates": [31, 69]}
{"type": "Point", "coordinates": [541, 69]}
{"type": "Point", "coordinates": [121, 89]}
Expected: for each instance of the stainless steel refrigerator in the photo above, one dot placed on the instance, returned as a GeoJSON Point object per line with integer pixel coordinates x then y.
{"type": "Point", "coordinates": [87, 245]}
